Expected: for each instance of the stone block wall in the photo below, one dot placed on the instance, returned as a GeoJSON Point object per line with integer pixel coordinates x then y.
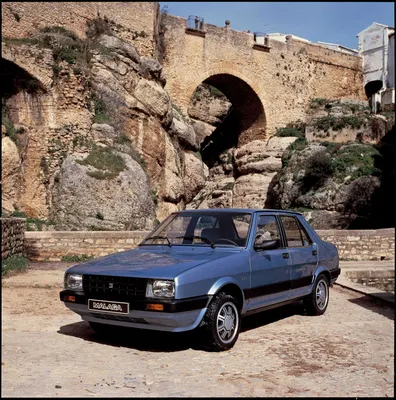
{"type": "Point", "coordinates": [52, 246]}
{"type": "Point", "coordinates": [22, 19]}
{"type": "Point", "coordinates": [12, 236]}
{"type": "Point", "coordinates": [362, 245]}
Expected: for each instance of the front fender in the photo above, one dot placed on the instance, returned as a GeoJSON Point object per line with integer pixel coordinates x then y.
{"type": "Point", "coordinates": [222, 282]}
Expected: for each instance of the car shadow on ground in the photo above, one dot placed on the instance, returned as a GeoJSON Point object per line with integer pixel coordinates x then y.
{"type": "Point", "coordinates": [375, 305]}
{"type": "Point", "coordinates": [138, 339]}
{"type": "Point", "coordinates": [276, 314]}
{"type": "Point", "coordinates": [156, 341]}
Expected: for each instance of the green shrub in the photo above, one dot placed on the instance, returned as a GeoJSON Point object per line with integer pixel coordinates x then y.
{"type": "Point", "coordinates": [338, 123]}
{"type": "Point", "coordinates": [318, 168]}
{"type": "Point", "coordinates": [355, 161]}
{"type": "Point", "coordinates": [13, 264]}
{"type": "Point", "coordinates": [100, 110]}
{"type": "Point", "coordinates": [108, 163]}
{"type": "Point", "coordinates": [18, 214]}
{"type": "Point", "coordinates": [98, 26]}
{"type": "Point", "coordinates": [284, 132]}
{"type": "Point", "coordinates": [77, 258]}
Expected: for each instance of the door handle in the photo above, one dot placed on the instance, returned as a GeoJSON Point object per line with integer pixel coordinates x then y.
{"type": "Point", "coordinates": [314, 252]}
{"type": "Point", "coordinates": [285, 255]}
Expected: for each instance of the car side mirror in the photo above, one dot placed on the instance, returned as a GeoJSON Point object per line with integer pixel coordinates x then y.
{"type": "Point", "coordinates": [267, 245]}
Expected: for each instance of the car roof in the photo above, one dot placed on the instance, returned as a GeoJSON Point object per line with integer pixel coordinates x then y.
{"type": "Point", "coordinates": [235, 210]}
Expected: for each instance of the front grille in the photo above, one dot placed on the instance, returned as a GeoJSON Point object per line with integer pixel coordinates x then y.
{"type": "Point", "coordinates": [114, 287]}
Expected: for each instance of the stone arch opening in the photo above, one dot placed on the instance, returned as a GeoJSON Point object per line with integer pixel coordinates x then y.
{"type": "Point", "coordinates": [15, 79]}
{"type": "Point", "coordinates": [243, 122]}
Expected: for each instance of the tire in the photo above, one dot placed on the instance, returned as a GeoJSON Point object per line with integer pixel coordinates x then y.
{"type": "Point", "coordinates": [221, 323]}
{"type": "Point", "coordinates": [316, 303]}
{"type": "Point", "coordinates": [100, 329]}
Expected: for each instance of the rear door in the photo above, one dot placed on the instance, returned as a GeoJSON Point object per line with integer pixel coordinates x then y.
{"type": "Point", "coordinates": [303, 255]}
{"type": "Point", "coordinates": [270, 269]}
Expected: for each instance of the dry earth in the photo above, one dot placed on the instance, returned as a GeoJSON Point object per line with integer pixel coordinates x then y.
{"type": "Point", "coordinates": [47, 351]}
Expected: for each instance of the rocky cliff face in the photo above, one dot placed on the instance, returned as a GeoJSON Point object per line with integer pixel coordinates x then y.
{"type": "Point", "coordinates": [112, 151]}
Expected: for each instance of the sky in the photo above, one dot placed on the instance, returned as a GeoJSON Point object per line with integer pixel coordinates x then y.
{"type": "Point", "coordinates": [331, 22]}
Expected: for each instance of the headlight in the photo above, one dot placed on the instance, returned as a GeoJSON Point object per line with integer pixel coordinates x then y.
{"type": "Point", "coordinates": [73, 281]}
{"type": "Point", "coordinates": [160, 289]}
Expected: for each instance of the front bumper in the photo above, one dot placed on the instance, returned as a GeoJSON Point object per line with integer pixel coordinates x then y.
{"type": "Point", "coordinates": [178, 315]}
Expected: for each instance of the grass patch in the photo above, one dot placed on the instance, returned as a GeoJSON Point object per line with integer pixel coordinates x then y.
{"type": "Point", "coordinates": [77, 258]}
{"type": "Point", "coordinates": [13, 264]}
{"type": "Point", "coordinates": [106, 161]}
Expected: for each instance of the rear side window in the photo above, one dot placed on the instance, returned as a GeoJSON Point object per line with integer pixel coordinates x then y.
{"type": "Point", "coordinates": [296, 235]}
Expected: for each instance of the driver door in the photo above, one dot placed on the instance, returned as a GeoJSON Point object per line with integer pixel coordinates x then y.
{"type": "Point", "coordinates": [270, 269]}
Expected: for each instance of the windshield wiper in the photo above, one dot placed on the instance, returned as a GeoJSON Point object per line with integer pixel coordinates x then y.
{"type": "Point", "coordinates": [197, 237]}
{"type": "Point", "coordinates": [158, 237]}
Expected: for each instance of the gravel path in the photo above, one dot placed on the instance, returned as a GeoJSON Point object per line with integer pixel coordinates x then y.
{"type": "Point", "coordinates": [48, 351]}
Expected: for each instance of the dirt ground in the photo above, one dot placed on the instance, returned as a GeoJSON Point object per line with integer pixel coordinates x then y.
{"type": "Point", "coordinates": [48, 351]}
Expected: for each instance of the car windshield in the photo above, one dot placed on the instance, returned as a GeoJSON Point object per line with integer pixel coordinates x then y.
{"type": "Point", "coordinates": [202, 229]}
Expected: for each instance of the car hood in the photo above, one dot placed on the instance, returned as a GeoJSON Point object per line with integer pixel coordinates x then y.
{"type": "Point", "coordinates": [152, 263]}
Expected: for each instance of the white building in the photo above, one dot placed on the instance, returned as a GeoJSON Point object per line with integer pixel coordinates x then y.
{"type": "Point", "coordinates": [339, 47]}
{"type": "Point", "coordinates": [376, 46]}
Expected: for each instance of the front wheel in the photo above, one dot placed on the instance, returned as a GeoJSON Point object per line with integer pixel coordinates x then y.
{"type": "Point", "coordinates": [316, 303]}
{"type": "Point", "coordinates": [221, 323]}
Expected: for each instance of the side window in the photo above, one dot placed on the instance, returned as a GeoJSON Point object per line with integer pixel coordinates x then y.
{"type": "Point", "coordinates": [293, 233]}
{"type": "Point", "coordinates": [306, 239]}
{"type": "Point", "coordinates": [267, 229]}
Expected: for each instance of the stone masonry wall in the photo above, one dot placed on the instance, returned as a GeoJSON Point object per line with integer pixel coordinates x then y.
{"type": "Point", "coordinates": [362, 245]}
{"type": "Point", "coordinates": [12, 236]}
{"type": "Point", "coordinates": [52, 246]}
{"type": "Point", "coordinates": [21, 19]}
{"type": "Point", "coordinates": [285, 78]}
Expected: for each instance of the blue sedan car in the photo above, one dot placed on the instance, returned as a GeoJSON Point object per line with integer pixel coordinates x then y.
{"type": "Point", "coordinates": [206, 269]}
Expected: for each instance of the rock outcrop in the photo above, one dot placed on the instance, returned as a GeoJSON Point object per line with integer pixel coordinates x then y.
{"type": "Point", "coordinates": [11, 170]}
{"type": "Point", "coordinates": [81, 201]}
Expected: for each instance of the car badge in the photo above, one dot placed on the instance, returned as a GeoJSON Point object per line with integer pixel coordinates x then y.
{"type": "Point", "coordinates": [110, 286]}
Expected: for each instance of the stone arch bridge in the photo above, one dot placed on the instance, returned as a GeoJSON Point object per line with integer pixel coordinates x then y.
{"type": "Point", "coordinates": [268, 86]}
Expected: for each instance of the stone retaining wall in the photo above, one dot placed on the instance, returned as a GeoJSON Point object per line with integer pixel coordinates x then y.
{"type": "Point", "coordinates": [52, 246]}
{"type": "Point", "coordinates": [362, 245]}
{"type": "Point", "coordinates": [12, 236]}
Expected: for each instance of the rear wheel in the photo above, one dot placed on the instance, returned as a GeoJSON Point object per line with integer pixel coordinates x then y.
{"type": "Point", "coordinates": [221, 323]}
{"type": "Point", "coordinates": [316, 303]}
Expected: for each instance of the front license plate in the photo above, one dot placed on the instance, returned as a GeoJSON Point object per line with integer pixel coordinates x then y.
{"type": "Point", "coordinates": [113, 307]}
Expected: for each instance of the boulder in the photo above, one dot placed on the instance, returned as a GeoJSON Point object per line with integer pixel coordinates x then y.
{"type": "Point", "coordinates": [84, 202]}
{"type": "Point", "coordinates": [119, 46]}
{"type": "Point", "coordinates": [182, 129]}
{"type": "Point", "coordinates": [251, 190]}
{"type": "Point", "coordinates": [195, 175]}
{"type": "Point", "coordinates": [154, 98]}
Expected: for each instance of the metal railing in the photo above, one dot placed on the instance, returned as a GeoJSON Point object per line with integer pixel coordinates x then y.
{"type": "Point", "coordinates": [195, 22]}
